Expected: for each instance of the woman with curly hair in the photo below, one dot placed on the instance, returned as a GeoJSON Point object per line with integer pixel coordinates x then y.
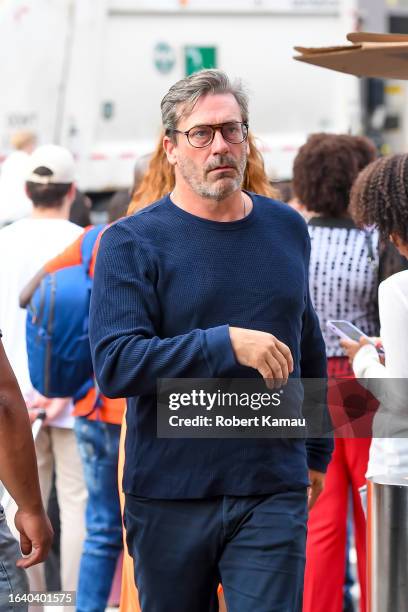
{"type": "Point", "coordinates": [380, 198]}
{"type": "Point", "coordinates": [343, 273]}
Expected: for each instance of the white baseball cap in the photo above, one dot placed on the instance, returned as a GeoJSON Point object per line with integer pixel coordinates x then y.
{"type": "Point", "coordinates": [57, 160]}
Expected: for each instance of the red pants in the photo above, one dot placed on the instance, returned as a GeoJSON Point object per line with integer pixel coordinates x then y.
{"type": "Point", "coordinates": [327, 528]}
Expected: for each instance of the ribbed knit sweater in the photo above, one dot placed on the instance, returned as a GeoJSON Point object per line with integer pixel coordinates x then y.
{"type": "Point", "coordinates": [167, 287]}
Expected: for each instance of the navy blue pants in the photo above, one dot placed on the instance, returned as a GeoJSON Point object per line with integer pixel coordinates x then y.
{"type": "Point", "coordinates": [254, 546]}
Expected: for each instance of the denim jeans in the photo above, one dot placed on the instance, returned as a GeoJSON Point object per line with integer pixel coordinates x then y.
{"type": "Point", "coordinates": [13, 580]}
{"type": "Point", "coordinates": [254, 546]}
{"type": "Point", "coordinates": [99, 448]}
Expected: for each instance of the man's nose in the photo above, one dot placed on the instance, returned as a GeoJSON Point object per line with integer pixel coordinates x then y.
{"type": "Point", "coordinates": [219, 145]}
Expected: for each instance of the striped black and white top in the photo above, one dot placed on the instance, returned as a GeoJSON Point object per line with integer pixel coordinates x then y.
{"type": "Point", "coordinates": [343, 276]}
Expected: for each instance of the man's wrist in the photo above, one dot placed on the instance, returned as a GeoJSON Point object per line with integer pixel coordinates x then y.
{"type": "Point", "coordinates": [217, 348]}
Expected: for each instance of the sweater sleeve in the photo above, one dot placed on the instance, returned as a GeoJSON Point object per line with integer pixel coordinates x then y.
{"type": "Point", "coordinates": [313, 364]}
{"type": "Point", "coordinates": [128, 353]}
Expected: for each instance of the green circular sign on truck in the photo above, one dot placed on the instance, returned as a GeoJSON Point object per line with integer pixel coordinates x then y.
{"type": "Point", "coordinates": [164, 57]}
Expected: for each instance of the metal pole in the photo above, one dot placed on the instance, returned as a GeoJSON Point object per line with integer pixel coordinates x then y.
{"type": "Point", "coordinates": [387, 559]}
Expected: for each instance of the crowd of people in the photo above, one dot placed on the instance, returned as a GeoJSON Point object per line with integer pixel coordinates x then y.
{"type": "Point", "coordinates": [203, 273]}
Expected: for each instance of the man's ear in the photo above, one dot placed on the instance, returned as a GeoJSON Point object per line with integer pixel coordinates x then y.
{"type": "Point", "coordinates": [170, 149]}
{"type": "Point", "coordinates": [72, 191]}
{"type": "Point", "coordinates": [70, 197]}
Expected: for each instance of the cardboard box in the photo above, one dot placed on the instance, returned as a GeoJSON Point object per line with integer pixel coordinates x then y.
{"type": "Point", "coordinates": [369, 55]}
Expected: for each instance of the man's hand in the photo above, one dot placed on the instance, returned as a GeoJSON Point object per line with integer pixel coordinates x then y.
{"type": "Point", "coordinates": [263, 352]}
{"type": "Point", "coordinates": [53, 406]}
{"type": "Point", "coordinates": [36, 536]}
{"type": "Point", "coordinates": [316, 486]}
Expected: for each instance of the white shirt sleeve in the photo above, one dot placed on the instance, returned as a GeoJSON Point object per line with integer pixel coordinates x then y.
{"type": "Point", "coordinates": [393, 305]}
{"type": "Point", "coordinates": [389, 455]}
{"type": "Point", "coordinates": [366, 363]}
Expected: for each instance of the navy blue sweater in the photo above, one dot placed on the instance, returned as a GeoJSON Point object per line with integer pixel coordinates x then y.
{"type": "Point", "coordinates": [167, 286]}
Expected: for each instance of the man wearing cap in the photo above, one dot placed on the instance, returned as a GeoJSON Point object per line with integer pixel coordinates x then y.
{"type": "Point", "coordinates": [25, 246]}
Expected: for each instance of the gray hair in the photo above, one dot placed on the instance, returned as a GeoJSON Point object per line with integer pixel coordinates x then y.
{"type": "Point", "coordinates": [181, 98]}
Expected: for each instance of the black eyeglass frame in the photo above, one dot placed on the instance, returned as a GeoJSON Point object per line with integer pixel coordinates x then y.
{"type": "Point", "coordinates": [215, 127]}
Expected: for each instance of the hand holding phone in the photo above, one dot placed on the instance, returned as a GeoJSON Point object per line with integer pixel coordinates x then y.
{"type": "Point", "coordinates": [345, 329]}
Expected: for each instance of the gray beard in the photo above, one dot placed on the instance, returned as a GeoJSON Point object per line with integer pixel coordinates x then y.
{"type": "Point", "coordinates": [220, 192]}
{"type": "Point", "coordinates": [216, 192]}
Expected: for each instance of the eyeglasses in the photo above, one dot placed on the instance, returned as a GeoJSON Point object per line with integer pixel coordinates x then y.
{"type": "Point", "coordinates": [201, 136]}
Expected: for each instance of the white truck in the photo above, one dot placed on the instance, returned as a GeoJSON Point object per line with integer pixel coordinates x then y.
{"type": "Point", "coordinates": [90, 74]}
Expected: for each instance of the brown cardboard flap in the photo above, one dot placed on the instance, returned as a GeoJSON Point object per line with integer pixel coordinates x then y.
{"type": "Point", "coordinates": [385, 60]}
{"type": "Point", "coordinates": [362, 37]}
{"type": "Point", "coordinates": [384, 45]}
{"type": "Point", "coordinates": [319, 50]}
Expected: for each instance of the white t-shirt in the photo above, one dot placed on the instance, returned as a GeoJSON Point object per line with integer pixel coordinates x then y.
{"type": "Point", "coordinates": [25, 246]}
{"type": "Point", "coordinates": [389, 456]}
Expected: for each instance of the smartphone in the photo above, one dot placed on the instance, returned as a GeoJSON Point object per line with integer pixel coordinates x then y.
{"type": "Point", "coordinates": [347, 330]}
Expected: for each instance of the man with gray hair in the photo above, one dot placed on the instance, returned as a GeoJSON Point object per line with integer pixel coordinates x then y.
{"type": "Point", "coordinates": [209, 282]}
